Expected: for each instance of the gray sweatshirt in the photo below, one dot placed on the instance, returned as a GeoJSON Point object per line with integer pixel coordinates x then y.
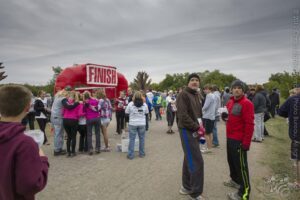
{"type": "Point", "coordinates": [57, 107]}
{"type": "Point", "coordinates": [259, 101]}
{"type": "Point", "coordinates": [209, 108]}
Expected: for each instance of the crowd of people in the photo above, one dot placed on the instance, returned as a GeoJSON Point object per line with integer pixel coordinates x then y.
{"type": "Point", "coordinates": [74, 112]}
{"type": "Point", "coordinates": [90, 114]}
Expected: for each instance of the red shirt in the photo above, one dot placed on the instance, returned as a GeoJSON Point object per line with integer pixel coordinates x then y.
{"type": "Point", "coordinates": [120, 104]}
{"type": "Point", "coordinates": [240, 124]}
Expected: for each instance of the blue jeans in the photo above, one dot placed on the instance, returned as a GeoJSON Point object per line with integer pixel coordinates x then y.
{"type": "Point", "coordinates": [133, 130]}
{"type": "Point", "coordinates": [215, 133]}
{"type": "Point", "coordinates": [90, 123]}
{"type": "Point", "coordinates": [57, 125]}
{"type": "Point", "coordinates": [157, 113]}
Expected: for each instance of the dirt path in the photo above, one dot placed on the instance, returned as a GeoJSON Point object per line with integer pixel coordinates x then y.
{"type": "Point", "coordinates": [111, 176]}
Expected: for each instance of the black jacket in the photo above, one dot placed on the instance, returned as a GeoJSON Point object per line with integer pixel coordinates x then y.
{"type": "Point", "coordinates": [39, 108]}
{"type": "Point", "coordinates": [274, 98]}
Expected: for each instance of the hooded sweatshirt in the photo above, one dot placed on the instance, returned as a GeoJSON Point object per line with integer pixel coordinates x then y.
{"type": "Point", "coordinates": [92, 113]}
{"type": "Point", "coordinates": [240, 124]}
{"type": "Point", "coordinates": [72, 113]}
{"type": "Point", "coordinates": [23, 172]}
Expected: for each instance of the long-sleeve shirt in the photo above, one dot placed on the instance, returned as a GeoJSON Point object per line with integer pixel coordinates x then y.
{"type": "Point", "coordinates": [91, 109]}
{"type": "Point", "coordinates": [188, 109]}
{"type": "Point", "coordinates": [71, 113]}
{"type": "Point", "coordinates": [291, 109]}
{"type": "Point", "coordinates": [209, 108]}
{"type": "Point", "coordinates": [23, 172]}
{"type": "Point", "coordinates": [259, 102]}
{"type": "Point", "coordinates": [240, 123]}
{"type": "Point", "coordinates": [59, 104]}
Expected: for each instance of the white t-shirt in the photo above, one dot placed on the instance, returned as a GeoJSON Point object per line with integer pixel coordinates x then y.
{"type": "Point", "coordinates": [150, 96]}
{"type": "Point", "coordinates": [170, 99]}
{"type": "Point", "coordinates": [137, 115]}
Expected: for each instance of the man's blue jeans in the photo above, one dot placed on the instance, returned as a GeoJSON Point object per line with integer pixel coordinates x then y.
{"type": "Point", "coordinates": [57, 125]}
{"type": "Point", "coordinates": [133, 130]}
{"type": "Point", "coordinates": [215, 132]}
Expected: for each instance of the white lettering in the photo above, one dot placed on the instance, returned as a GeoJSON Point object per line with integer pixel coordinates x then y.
{"type": "Point", "coordinates": [101, 75]}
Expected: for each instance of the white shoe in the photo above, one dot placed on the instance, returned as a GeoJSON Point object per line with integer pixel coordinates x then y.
{"type": "Point", "coordinates": [197, 198]}
{"type": "Point", "coordinates": [184, 191]}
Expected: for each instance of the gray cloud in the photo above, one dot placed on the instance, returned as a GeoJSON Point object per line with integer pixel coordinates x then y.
{"type": "Point", "coordinates": [248, 39]}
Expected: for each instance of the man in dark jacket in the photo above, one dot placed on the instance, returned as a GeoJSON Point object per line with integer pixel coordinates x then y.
{"type": "Point", "coordinates": [189, 112]}
{"type": "Point", "coordinates": [274, 98]}
{"type": "Point", "coordinates": [239, 131]}
{"type": "Point", "coordinates": [24, 167]}
{"type": "Point", "coordinates": [291, 109]}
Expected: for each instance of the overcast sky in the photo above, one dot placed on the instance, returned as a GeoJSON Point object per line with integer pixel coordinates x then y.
{"type": "Point", "coordinates": [249, 39]}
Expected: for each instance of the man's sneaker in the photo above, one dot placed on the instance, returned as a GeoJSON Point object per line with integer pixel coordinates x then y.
{"type": "Point", "coordinates": [232, 184]}
{"type": "Point", "coordinates": [59, 153]}
{"type": "Point", "coordinates": [97, 151]}
{"type": "Point", "coordinates": [197, 198]}
{"type": "Point", "coordinates": [234, 196]}
{"type": "Point", "coordinates": [184, 191]}
{"type": "Point", "coordinates": [206, 151]}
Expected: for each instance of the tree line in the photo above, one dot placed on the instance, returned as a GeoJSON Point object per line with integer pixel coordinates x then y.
{"type": "Point", "coordinates": [284, 81]}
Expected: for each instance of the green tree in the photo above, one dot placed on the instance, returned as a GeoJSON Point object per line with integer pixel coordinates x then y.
{"type": "Point", "coordinates": [178, 80]}
{"type": "Point", "coordinates": [155, 86]}
{"type": "Point", "coordinates": [283, 81]}
{"type": "Point", "coordinates": [2, 76]}
{"type": "Point", "coordinates": [141, 81]}
{"type": "Point", "coordinates": [49, 88]}
{"type": "Point", "coordinates": [216, 77]}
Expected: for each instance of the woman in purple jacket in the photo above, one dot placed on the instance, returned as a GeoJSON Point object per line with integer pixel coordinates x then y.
{"type": "Point", "coordinates": [92, 120]}
{"type": "Point", "coordinates": [70, 123]}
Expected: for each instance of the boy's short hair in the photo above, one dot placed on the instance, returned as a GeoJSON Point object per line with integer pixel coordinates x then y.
{"type": "Point", "coordinates": [13, 100]}
{"type": "Point", "coordinates": [208, 86]}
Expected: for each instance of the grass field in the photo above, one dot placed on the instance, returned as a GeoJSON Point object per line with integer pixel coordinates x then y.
{"type": "Point", "coordinates": [277, 152]}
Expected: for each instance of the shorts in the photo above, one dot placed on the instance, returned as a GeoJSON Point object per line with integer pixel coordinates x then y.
{"type": "Point", "coordinates": [208, 125]}
{"type": "Point", "coordinates": [295, 150]}
{"type": "Point", "coordinates": [105, 121]}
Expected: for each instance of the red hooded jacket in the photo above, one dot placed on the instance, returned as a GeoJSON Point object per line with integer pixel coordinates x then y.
{"type": "Point", "coordinates": [240, 123]}
{"type": "Point", "coordinates": [23, 172]}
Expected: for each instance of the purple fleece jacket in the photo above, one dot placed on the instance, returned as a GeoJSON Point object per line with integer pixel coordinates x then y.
{"type": "Point", "coordinates": [90, 113]}
{"type": "Point", "coordinates": [23, 173]}
{"type": "Point", "coordinates": [71, 113]}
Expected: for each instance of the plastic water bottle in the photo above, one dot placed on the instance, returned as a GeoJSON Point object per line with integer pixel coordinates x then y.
{"type": "Point", "coordinates": [36, 135]}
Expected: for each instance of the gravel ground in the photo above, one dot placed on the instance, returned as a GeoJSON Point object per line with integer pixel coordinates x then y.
{"type": "Point", "coordinates": [111, 176]}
